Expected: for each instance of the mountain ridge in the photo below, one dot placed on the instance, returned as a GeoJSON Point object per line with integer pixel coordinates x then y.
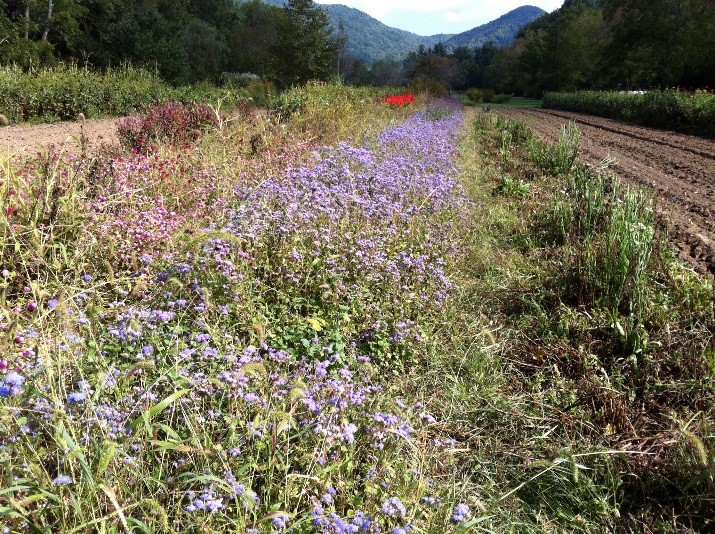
{"type": "Point", "coordinates": [370, 40]}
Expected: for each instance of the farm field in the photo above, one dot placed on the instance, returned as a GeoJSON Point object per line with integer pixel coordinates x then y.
{"type": "Point", "coordinates": [344, 316]}
{"type": "Point", "coordinates": [26, 140]}
{"type": "Point", "coordinates": [678, 168]}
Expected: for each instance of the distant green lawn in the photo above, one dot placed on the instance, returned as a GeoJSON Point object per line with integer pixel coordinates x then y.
{"type": "Point", "coordinates": [513, 102]}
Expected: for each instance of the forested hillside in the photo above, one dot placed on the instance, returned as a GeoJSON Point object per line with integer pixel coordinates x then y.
{"type": "Point", "coordinates": [197, 40]}
{"type": "Point", "coordinates": [501, 31]}
{"type": "Point", "coordinates": [611, 44]}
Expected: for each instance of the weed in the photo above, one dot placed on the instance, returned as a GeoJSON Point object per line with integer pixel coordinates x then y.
{"type": "Point", "coordinates": [559, 158]}
{"type": "Point", "coordinates": [171, 122]}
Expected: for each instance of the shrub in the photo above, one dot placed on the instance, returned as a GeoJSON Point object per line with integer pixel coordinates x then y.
{"type": "Point", "coordinates": [488, 95]}
{"type": "Point", "coordinates": [172, 122]}
{"type": "Point", "coordinates": [430, 87]}
{"type": "Point", "coordinates": [475, 95]}
{"type": "Point", "coordinates": [502, 98]}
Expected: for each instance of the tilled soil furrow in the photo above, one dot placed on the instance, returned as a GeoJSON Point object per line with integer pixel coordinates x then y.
{"type": "Point", "coordinates": [679, 169]}
{"type": "Point", "coordinates": [656, 136]}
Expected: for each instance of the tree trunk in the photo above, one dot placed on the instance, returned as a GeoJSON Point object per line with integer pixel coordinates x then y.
{"type": "Point", "coordinates": [27, 19]}
{"type": "Point", "coordinates": [50, 5]}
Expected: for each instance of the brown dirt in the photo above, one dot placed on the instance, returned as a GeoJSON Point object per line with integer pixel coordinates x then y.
{"type": "Point", "coordinates": [679, 169]}
{"type": "Point", "coordinates": [24, 140]}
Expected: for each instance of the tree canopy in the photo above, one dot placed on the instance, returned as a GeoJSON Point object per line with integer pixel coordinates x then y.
{"type": "Point", "coordinates": [184, 40]}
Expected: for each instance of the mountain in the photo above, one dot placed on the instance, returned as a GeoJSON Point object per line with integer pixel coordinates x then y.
{"type": "Point", "coordinates": [501, 31]}
{"type": "Point", "coordinates": [369, 39]}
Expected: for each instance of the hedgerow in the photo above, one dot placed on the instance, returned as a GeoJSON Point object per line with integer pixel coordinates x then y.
{"type": "Point", "coordinates": [670, 109]}
{"type": "Point", "coordinates": [66, 91]}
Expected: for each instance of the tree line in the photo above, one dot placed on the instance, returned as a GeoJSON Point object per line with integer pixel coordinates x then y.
{"type": "Point", "coordinates": [586, 44]}
{"type": "Point", "coordinates": [186, 41]}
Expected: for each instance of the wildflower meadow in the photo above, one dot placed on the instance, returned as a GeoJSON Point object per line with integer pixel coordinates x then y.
{"type": "Point", "coordinates": [328, 317]}
{"type": "Point", "coordinates": [234, 380]}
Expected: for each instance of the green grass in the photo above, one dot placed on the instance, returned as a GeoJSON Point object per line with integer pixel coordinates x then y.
{"type": "Point", "coordinates": [517, 102]}
{"type": "Point", "coordinates": [565, 385]}
{"type": "Point", "coordinates": [582, 329]}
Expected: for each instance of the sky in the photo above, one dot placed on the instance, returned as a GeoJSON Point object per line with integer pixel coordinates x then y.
{"type": "Point", "coordinates": [430, 17]}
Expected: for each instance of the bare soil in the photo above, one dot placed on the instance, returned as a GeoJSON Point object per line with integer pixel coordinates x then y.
{"type": "Point", "coordinates": [24, 140]}
{"type": "Point", "coordinates": [679, 169]}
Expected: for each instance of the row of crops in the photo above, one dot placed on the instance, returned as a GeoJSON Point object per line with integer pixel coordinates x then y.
{"type": "Point", "coordinates": [670, 109]}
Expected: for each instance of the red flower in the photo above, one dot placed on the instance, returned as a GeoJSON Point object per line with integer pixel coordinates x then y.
{"type": "Point", "coordinates": [399, 100]}
{"type": "Point", "coordinates": [10, 210]}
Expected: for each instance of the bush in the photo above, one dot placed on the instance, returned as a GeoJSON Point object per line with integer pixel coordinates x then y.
{"type": "Point", "coordinates": [502, 98]}
{"type": "Point", "coordinates": [488, 95]}
{"type": "Point", "coordinates": [430, 87]}
{"type": "Point", "coordinates": [475, 95]}
{"type": "Point", "coordinates": [172, 122]}
{"type": "Point", "coordinates": [65, 91]}
{"type": "Point", "coordinates": [671, 109]}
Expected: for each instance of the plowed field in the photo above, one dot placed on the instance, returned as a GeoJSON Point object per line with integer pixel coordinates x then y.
{"type": "Point", "coordinates": [679, 169]}
{"type": "Point", "coordinates": [28, 139]}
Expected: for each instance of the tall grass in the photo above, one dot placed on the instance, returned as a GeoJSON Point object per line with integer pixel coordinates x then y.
{"type": "Point", "coordinates": [610, 231]}
{"type": "Point", "coordinates": [599, 385]}
{"type": "Point", "coordinates": [670, 109]}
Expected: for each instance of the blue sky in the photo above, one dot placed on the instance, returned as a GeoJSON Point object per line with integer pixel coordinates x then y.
{"type": "Point", "coordinates": [429, 17]}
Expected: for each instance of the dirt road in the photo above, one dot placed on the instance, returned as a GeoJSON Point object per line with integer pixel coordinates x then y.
{"type": "Point", "coordinates": [678, 168]}
{"type": "Point", "coordinates": [25, 139]}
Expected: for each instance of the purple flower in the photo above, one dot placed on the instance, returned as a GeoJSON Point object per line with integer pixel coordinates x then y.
{"type": "Point", "coordinates": [393, 507]}
{"type": "Point", "coordinates": [11, 384]}
{"type": "Point", "coordinates": [76, 397]}
{"type": "Point", "coordinates": [461, 513]}
{"type": "Point", "coordinates": [14, 379]}
{"type": "Point", "coordinates": [87, 278]}
{"type": "Point", "coordinates": [62, 480]}
{"type": "Point", "coordinates": [251, 397]}
{"type": "Point", "coordinates": [280, 522]}
{"type": "Point", "coordinates": [348, 434]}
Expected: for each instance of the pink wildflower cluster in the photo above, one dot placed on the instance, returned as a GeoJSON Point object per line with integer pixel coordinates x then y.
{"type": "Point", "coordinates": [144, 199]}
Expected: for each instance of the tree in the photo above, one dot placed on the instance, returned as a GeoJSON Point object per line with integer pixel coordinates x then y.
{"type": "Point", "coordinates": [306, 49]}
{"type": "Point", "coordinates": [254, 38]}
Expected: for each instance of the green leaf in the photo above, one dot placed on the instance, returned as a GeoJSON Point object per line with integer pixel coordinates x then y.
{"type": "Point", "coordinates": [465, 527]}
{"type": "Point", "coordinates": [158, 408]}
{"type": "Point", "coordinates": [314, 323]}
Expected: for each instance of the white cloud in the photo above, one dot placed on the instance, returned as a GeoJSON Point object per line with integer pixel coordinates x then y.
{"type": "Point", "coordinates": [458, 17]}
